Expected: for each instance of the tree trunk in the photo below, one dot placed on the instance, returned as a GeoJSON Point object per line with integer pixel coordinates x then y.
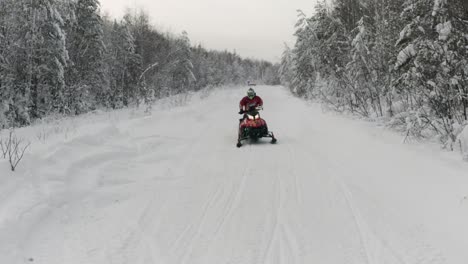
{"type": "Point", "coordinates": [465, 106]}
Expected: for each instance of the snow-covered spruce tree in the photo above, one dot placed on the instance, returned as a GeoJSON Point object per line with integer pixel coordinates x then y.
{"type": "Point", "coordinates": [40, 59]}
{"type": "Point", "coordinates": [181, 66]}
{"type": "Point", "coordinates": [132, 63]}
{"type": "Point", "coordinates": [152, 47]}
{"type": "Point", "coordinates": [14, 102]}
{"type": "Point", "coordinates": [85, 75]}
{"type": "Point", "coordinates": [303, 69]}
{"type": "Point", "coordinates": [362, 71]}
{"type": "Point", "coordinates": [285, 71]}
{"type": "Point", "coordinates": [387, 24]}
{"type": "Point", "coordinates": [251, 72]}
{"type": "Point", "coordinates": [332, 45]}
{"type": "Point", "coordinates": [270, 76]}
{"type": "Point", "coordinates": [124, 65]}
{"type": "Point", "coordinates": [349, 12]}
{"type": "Point", "coordinates": [114, 94]}
{"type": "Point", "coordinates": [433, 62]}
{"type": "Point", "coordinates": [214, 68]}
{"type": "Point", "coordinates": [6, 86]}
{"type": "Point", "coordinates": [234, 69]}
{"type": "Point", "coordinates": [203, 67]}
{"type": "Point", "coordinates": [349, 47]}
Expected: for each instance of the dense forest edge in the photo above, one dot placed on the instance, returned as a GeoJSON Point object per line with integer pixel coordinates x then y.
{"type": "Point", "coordinates": [403, 62]}
{"type": "Point", "coordinates": [64, 57]}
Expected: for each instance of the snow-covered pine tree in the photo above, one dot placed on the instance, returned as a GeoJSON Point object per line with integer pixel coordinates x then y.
{"type": "Point", "coordinates": [303, 68]}
{"type": "Point", "coordinates": [41, 57]}
{"type": "Point", "coordinates": [285, 70]}
{"type": "Point", "coordinates": [349, 12]}
{"type": "Point", "coordinates": [153, 47]}
{"type": "Point", "coordinates": [361, 69]}
{"type": "Point", "coordinates": [433, 61]}
{"type": "Point", "coordinates": [200, 66]}
{"type": "Point", "coordinates": [132, 63]}
{"type": "Point", "coordinates": [124, 65]}
{"type": "Point", "coordinates": [451, 25]}
{"type": "Point", "coordinates": [85, 76]}
{"type": "Point", "coordinates": [182, 67]}
{"type": "Point", "coordinates": [331, 54]}
{"type": "Point", "coordinates": [271, 76]}
{"type": "Point", "coordinates": [14, 103]}
{"type": "Point", "coordinates": [387, 25]}
{"type": "Point", "coordinates": [6, 89]}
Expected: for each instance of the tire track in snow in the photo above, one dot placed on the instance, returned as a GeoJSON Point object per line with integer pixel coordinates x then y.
{"type": "Point", "coordinates": [282, 240]}
{"type": "Point", "coordinates": [366, 234]}
{"type": "Point", "coordinates": [292, 243]}
{"type": "Point", "coordinates": [146, 223]}
{"type": "Point", "coordinates": [209, 204]}
{"type": "Point", "coordinates": [357, 218]}
{"type": "Point", "coordinates": [235, 201]}
{"type": "Point", "coordinates": [129, 241]}
{"type": "Point", "coordinates": [276, 222]}
{"type": "Point", "coordinates": [188, 158]}
{"type": "Point", "coordinates": [292, 169]}
{"type": "Point", "coordinates": [194, 230]}
{"type": "Point", "coordinates": [355, 213]}
{"type": "Point", "coordinates": [193, 146]}
{"type": "Point", "coordinates": [370, 241]}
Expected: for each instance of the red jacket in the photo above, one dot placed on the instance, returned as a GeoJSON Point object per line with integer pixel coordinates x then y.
{"type": "Point", "coordinates": [246, 103]}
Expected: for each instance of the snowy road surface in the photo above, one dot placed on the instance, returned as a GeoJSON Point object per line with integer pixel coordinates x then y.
{"type": "Point", "coordinates": [173, 188]}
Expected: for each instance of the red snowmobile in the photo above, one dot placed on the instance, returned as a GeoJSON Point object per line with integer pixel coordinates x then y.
{"type": "Point", "coordinates": [253, 127]}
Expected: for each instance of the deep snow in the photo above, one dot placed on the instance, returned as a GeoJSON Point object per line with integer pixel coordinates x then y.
{"type": "Point", "coordinates": [123, 187]}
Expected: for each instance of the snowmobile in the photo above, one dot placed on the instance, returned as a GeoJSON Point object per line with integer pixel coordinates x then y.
{"type": "Point", "coordinates": [253, 127]}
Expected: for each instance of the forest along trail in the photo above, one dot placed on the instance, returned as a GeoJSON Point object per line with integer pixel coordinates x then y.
{"type": "Point", "coordinates": [173, 188]}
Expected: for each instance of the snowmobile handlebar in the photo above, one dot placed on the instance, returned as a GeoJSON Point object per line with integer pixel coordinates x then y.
{"type": "Point", "coordinates": [258, 108]}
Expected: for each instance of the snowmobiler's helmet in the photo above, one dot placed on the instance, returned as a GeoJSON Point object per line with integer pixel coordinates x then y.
{"type": "Point", "coordinates": [251, 93]}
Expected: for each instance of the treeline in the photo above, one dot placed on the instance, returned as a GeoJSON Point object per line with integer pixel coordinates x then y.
{"type": "Point", "coordinates": [401, 60]}
{"type": "Point", "coordinates": [65, 57]}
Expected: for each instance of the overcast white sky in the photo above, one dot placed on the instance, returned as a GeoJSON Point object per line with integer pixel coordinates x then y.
{"type": "Point", "coordinates": [254, 28]}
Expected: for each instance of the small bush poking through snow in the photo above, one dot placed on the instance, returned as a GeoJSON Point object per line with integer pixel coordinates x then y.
{"type": "Point", "coordinates": [4, 147]}
{"type": "Point", "coordinates": [412, 123]}
{"type": "Point", "coordinates": [13, 148]}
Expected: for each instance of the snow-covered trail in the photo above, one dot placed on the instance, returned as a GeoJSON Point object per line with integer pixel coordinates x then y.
{"type": "Point", "coordinates": [173, 188]}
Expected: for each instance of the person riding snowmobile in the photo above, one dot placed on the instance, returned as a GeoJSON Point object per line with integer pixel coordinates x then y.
{"type": "Point", "coordinates": [251, 101]}
{"type": "Point", "coordinates": [252, 126]}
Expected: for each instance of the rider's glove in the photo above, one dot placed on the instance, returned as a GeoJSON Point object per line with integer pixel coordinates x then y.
{"type": "Point", "coordinates": [241, 112]}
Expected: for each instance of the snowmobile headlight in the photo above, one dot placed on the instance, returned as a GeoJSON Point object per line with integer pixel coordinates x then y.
{"type": "Point", "coordinates": [251, 117]}
{"type": "Point", "coordinates": [257, 116]}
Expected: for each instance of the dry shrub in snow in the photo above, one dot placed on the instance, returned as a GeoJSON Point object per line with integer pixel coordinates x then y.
{"type": "Point", "coordinates": [180, 99]}
{"type": "Point", "coordinates": [4, 147]}
{"type": "Point", "coordinates": [13, 149]}
{"type": "Point", "coordinates": [412, 123]}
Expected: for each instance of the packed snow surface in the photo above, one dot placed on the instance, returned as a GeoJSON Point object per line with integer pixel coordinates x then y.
{"type": "Point", "coordinates": [128, 188]}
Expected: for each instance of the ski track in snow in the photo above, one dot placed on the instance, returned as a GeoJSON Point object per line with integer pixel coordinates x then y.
{"type": "Point", "coordinates": [172, 188]}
